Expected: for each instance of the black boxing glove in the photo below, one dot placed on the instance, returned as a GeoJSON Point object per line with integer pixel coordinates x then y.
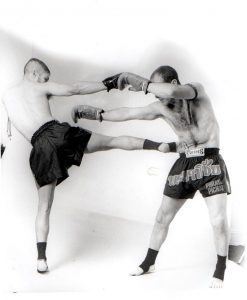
{"type": "Point", "coordinates": [137, 82]}
{"type": "Point", "coordinates": [111, 82]}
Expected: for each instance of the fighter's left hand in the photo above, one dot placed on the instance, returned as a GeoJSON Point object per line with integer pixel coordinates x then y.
{"type": "Point", "coordinates": [137, 82]}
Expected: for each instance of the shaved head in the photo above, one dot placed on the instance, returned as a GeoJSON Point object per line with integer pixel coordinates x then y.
{"type": "Point", "coordinates": [164, 74]}
{"type": "Point", "coordinates": [36, 65]}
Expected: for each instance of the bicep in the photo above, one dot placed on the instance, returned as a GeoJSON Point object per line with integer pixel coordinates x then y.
{"type": "Point", "coordinates": [168, 90]}
{"type": "Point", "coordinates": [57, 89]}
{"type": "Point", "coordinates": [150, 112]}
{"type": "Point", "coordinates": [188, 91]}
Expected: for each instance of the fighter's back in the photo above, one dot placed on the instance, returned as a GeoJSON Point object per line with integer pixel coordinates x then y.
{"type": "Point", "coordinates": [27, 106]}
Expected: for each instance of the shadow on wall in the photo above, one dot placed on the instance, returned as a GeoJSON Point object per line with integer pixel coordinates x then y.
{"type": "Point", "coordinates": [116, 174]}
{"type": "Point", "coordinates": [64, 68]}
{"type": "Point", "coordinates": [67, 69]}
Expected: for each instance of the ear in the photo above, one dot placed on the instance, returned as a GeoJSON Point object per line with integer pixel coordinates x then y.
{"type": "Point", "coordinates": [174, 81]}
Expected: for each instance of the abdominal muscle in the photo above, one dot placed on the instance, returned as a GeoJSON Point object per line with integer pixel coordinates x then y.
{"type": "Point", "coordinates": [199, 138]}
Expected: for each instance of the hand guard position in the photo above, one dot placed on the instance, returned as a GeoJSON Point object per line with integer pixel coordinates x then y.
{"type": "Point", "coordinates": [137, 82]}
{"type": "Point", "coordinates": [86, 112]}
{"type": "Point", "coordinates": [111, 82]}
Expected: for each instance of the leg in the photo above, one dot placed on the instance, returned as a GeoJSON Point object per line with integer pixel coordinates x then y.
{"type": "Point", "coordinates": [166, 213]}
{"type": "Point", "coordinates": [217, 208]}
{"type": "Point", "coordinates": [236, 250]}
{"type": "Point", "coordinates": [100, 142]}
{"type": "Point", "coordinates": [46, 195]}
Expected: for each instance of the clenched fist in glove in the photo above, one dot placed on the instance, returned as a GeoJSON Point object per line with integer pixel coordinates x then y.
{"type": "Point", "coordinates": [86, 112]}
{"type": "Point", "coordinates": [137, 82]}
{"type": "Point", "coordinates": [111, 82]}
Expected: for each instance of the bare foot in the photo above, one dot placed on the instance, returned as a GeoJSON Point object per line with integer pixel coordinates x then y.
{"type": "Point", "coordinates": [139, 271]}
{"type": "Point", "coordinates": [42, 266]}
{"type": "Point", "coordinates": [216, 283]}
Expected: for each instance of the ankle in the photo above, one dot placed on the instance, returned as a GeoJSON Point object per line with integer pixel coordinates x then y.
{"type": "Point", "coordinates": [149, 260]}
{"type": "Point", "coordinates": [41, 247]}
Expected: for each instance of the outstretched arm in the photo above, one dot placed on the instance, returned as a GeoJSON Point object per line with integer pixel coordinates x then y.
{"type": "Point", "coordinates": [160, 90]}
{"type": "Point", "coordinates": [78, 88]}
{"type": "Point", "coordinates": [81, 87]}
{"type": "Point", "coordinates": [168, 90]}
{"type": "Point", "coordinates": [149, 112]}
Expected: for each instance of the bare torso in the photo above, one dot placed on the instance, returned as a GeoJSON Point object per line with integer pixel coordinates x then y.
{"type": "Point", "coordinates": [193, 121]}
{"type": "Point", "coordinates": [28, 107]}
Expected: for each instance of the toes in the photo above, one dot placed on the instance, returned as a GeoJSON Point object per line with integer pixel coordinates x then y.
{"type": "Point", "coordinates": [216, 283]}
{"type": "Point", "coordinates": [42, 266]}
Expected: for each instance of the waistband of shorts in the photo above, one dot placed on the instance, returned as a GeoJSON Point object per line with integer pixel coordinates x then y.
{"type": "Point", "coordinates": [42, 129]}
{"type": "Point", "coordinates": [207, 151]}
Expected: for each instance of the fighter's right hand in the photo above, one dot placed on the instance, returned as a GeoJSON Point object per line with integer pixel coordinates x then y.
{"type": "Point", "coordinates": [111, 82]}
{"type": "Point", "coordinates": [137, 82]}
{"type": "Point", "coordinates": [86, 112]}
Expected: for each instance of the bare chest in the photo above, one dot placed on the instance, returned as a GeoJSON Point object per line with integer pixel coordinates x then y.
{"type": "Point", "coordinates": [183, 114]}
{"type": "Point", "coordinates": [192, 121]}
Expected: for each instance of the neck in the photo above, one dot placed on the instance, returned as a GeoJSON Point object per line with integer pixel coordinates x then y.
{"type": "Point", "coordinates": [28, 78]}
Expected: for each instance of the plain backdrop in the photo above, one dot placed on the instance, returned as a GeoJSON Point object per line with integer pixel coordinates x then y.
{"type": "Point", "coordinates": [90, 40]}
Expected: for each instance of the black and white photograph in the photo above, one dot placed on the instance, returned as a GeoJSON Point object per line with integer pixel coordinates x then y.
{"type": "Point", "coordinates": [123, 149]}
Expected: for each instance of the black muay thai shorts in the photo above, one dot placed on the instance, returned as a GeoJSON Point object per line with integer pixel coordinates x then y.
{"type": "Point", "coordinates": [56, 147]}
{"type": "Point", "coordinates": [200, 169]}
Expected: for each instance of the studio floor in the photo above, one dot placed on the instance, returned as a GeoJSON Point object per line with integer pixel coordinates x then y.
{"type": "Point", "coordinates": [90, 252]}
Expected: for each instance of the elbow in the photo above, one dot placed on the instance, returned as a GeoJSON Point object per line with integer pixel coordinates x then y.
{"type": "Point", "coordinates": [149, 117]}
{"type": "Point", "coordinates": [74, 90]}
{"type": "Point", "coordinates": [174, 93]}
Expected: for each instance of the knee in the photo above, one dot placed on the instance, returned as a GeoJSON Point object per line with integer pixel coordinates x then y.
{"type": "Point", "coordinates": [164, 218]}
{"type": "Point", "coordinates": [108, 143]}
{"type": "Point", "coordinates": [44, 209]}
{"type": "Point", "coordinates": [119, 142]}
{"type": "Point", "coordinates": [111, 142]}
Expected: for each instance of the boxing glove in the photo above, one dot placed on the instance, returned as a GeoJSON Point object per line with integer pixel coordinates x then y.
{"type": "Point", "coordinates": [137, 82]}
{"type": "Point", "coordinates": [86, 112]}
{"type": "Point", "coordinates": [111, 82]}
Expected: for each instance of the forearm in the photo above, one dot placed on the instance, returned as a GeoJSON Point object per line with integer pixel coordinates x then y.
{"type": "Point", "coordinates": [119, 115]}
{"type": "Point", "coordinates": [161, 90]}
{"type": "Point", "coordinates": [87, 87]}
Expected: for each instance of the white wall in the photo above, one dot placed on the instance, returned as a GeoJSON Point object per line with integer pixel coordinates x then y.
{"type": "Point", "coordinates": [99, 38]}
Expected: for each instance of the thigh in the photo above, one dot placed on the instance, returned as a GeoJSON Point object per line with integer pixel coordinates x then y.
{"type": "Point", "coordinates": [170, 206]}
{"type": "Point", "coordinates": [46, 194]}
{"type": "Point", "coordinates": [98, 142]}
